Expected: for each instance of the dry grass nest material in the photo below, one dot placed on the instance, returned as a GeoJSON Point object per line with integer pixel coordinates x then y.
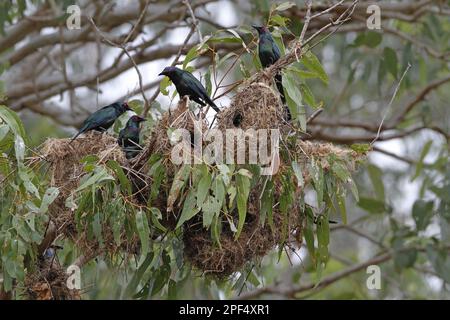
{"type": "Point", "coordinates": [305, 151]}
{"type": "Point", "coordinates": [66, 170]}
{"type": "Point", "coordinates": [254, 242]}
{"type": "Point", "coordinates": [256, 106]}
{"type": "Point", "coordinates": [49, 282]}
{"type": "Point", "coordinates": [64, 158]}
{"type": "Point", "coordinates": [159, 143]}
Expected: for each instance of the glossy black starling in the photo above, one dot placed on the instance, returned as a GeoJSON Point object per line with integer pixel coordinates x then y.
{"type": "Point", "coordinates": [103, 119]}
{"type": "Point", "coordinates": [188, 85]}
{"type": "Point", "coordinates": [269, 53]}
{"type": "Point", "coordinates": [129, 137]}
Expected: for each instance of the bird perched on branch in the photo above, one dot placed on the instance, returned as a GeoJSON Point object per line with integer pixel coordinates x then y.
{"type": "Point", "coordinates": [129, 137]}
{"type": "Point", "coordinates": [188, 85]}
{"type": "Point", "coordinates": [102, 119]}
{"type": "Point", "coordinates": [269, 53]}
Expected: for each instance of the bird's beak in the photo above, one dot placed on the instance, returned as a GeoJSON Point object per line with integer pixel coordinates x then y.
{"type": "Point", "coordinates": [256, 27]}
{"type": "Point", "coordinates": [162, 73]}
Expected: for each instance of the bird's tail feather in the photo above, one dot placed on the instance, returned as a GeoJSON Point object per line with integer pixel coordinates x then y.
{"type": "Point", "coordinates": [279, 83]}
{"type": "Point", "coordinates": [82, 130]}
{"type": "Point", "coordinates": [71, 140]}
{"type": "Point", "coordinates": [288, 113]}
{"type": "Point", "coordinates": [212, 104]}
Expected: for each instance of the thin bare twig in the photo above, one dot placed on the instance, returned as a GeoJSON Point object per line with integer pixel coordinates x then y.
{"type": "Point", "coordinates": [122, 46]}
{"type": "Point", "coordinates": [174, 62]}
{"type": "Point", "coordinates": [194, 19]}
{"type": "Point", "coordinates": [327, 10]}
{"type": "Point", "coordinates": [393, 155]}
{"type": "Point", "coordinates": [390, 104]}
{"type": "Point", "coordinates": [420, 97]}
{"type": "Point", "coordinates": [344, 17]}
{"type": "Point", "coordinates": [358, 233]}
{"type": "Point", "coordinates": [294, 55]}
{"type": "Point", "coordinates": [138, 22]}
{"type": "Point", "coordinates": [292, 292]}
{"type": "Point", "coordinates": [314, 115]}
{"type": "Point", "coordinates": [307, 20]}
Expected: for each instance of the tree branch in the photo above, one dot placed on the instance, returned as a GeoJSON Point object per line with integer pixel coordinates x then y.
{"type": "Point", "coordinates": [325, 282]}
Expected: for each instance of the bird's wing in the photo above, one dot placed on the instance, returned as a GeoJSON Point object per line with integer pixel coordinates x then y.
{"type": "Point", "coordinates": [109, 106]}
{"type": "Point", "coordinates": [276, 51]}
{"type": "Point", "coordinates": [121, 135]}
{"type": "Point", "coordinates": [195, 85]}
{"type": "Point", "coordinates": [200, 91]}
{"type": "Point", "coordinates": [105, 107]}
{"type": "Point", "coordinates": [101, 117]}
{"type": "Point", "coordinates": [134, 135]}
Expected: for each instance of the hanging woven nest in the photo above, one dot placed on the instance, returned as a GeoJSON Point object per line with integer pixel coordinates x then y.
{"type": "Point", "coordinates": [161, 145]}
{"type": "Point", "coordinates": [66, 170]}
{"type": "Point", "coordinates": [256, 106]}
{"type": "Point", "coordinates": [254, 242]}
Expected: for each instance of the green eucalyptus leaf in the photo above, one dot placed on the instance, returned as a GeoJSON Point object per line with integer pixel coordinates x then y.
{"type": "Point", "coordinates": [178, 183]}
{"type": "Point", "coordinates": [189, 209]}
{"type": "Point", "coordinates": [312, 63]}
{"type": "Point", "coordinates": [49, 196]}
{"type": "Point", "coordinates": [243, 190]}
{"type": "Point", "coordinates": [422, 212]}
{"type": "Point", "coordinates": [143, 231]}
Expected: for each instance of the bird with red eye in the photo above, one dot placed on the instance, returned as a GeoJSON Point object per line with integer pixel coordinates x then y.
{"type": "Point", "coordinates": [269, 53]}
{"type": "Point", "coordinates": [129, 137]}
{"type": "Point", "coordinates": [188, 85]}
{"type": "Point", "coordinates": [102, 119]}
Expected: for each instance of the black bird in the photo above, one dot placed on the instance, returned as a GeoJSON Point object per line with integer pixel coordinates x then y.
{"type": "Point", "coordinates": [102, 119]}
{"type": "Point", "coordinates": [269, 53]}
{"type": "Point", "coordinates": [188, 85]}
{"type": "Point", "coordinates": [129, 137]}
